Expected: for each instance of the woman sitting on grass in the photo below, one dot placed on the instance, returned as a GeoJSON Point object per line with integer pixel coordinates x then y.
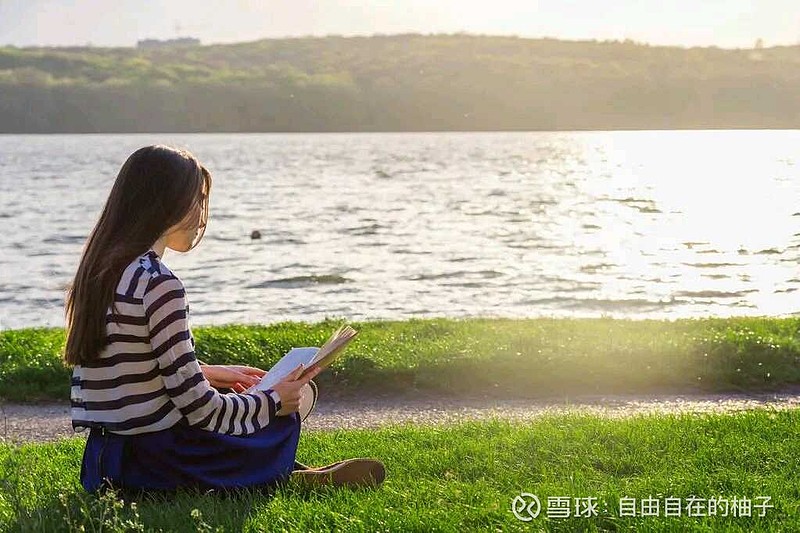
{"type": "Point", "coordinates": [158, 418]}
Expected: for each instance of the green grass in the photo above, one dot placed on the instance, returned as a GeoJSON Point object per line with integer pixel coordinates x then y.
{"type": "Point", "coordinates": [460, 478]}
{"type": "Point", "coordinates": [478, 356]}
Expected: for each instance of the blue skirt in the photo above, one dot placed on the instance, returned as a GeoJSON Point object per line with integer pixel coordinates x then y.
{"type": "Point", "coordinates": [190, 458]}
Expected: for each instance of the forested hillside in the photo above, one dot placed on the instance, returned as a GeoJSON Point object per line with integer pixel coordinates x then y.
{"type": "Point", "coordinates": [400, 82]}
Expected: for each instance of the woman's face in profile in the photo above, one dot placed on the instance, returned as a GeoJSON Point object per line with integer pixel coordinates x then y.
{"type": "Point", "coordinates": [181, 236]}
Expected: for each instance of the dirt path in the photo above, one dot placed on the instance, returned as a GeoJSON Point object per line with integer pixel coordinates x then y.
{"type": "Point", "coordinates": [47, 422]}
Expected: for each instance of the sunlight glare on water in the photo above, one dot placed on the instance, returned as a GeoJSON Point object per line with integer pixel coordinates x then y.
{"type": "Point", "coordinates": [646, 224]}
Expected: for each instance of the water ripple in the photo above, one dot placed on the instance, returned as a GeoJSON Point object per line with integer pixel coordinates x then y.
{"type": "Point", "coordinates": [629, 224]}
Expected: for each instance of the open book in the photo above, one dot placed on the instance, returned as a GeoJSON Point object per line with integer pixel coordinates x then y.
{"type": "Point", "coordinates": [308, 356]}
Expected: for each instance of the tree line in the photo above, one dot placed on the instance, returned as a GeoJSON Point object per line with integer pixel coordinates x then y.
{"type": "Point", "coordinates": [405, 82]}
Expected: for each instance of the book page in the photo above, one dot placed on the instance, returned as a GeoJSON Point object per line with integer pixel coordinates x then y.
{"type": "Point", "coordinates": [286, 364]}
{"type": "Point", "coordinates": [333, 346]}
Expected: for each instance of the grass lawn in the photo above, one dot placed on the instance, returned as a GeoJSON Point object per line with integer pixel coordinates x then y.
{"type": "Point", "coordinates": [528, 357]}
{"type": "Point", "coordinates": [464, 478]}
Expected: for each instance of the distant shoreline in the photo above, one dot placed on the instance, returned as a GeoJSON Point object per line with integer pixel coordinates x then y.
{"type": "Point", "coordinates": [404, 82]}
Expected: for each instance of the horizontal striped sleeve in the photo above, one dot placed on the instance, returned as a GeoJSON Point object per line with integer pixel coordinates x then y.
{"type": "Point", "coordinates": [164, 301]}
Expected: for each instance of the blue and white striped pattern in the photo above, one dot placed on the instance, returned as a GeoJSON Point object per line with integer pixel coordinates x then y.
{"type": "Point", "coordinates": [147, 378]}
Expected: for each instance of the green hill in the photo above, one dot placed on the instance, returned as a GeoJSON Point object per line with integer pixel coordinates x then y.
{"type": "Point", "coordinates": [398, 82]}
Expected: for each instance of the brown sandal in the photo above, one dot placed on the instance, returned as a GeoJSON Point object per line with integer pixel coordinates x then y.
{"type": "Point", "coordinates": [358, 472]}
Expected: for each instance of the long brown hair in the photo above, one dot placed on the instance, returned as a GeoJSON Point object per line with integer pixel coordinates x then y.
{"type": "Point", "coordinates": [155, 189]}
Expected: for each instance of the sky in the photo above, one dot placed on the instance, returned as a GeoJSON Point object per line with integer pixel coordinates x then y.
{"type": "Point", "coordinates": [723, 23]}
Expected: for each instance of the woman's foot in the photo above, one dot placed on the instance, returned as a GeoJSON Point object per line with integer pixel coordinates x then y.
{"type": "Point", "coordinates": [308, 401]}
{"type": "Point", "coordinates": [358, 472]}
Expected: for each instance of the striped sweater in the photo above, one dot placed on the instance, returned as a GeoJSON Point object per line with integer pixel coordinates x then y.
{"type": "Point", "coordinates": [147, 378]}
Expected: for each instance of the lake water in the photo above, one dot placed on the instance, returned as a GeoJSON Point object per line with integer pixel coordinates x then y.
{"type": "Point", "coordinates": [653, 224]}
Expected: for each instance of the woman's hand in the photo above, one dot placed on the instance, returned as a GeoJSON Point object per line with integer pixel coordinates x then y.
{"type": "Point", "coordinates": [236, 377]}
{"type": "Point", "coordinates": [289, 388]}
